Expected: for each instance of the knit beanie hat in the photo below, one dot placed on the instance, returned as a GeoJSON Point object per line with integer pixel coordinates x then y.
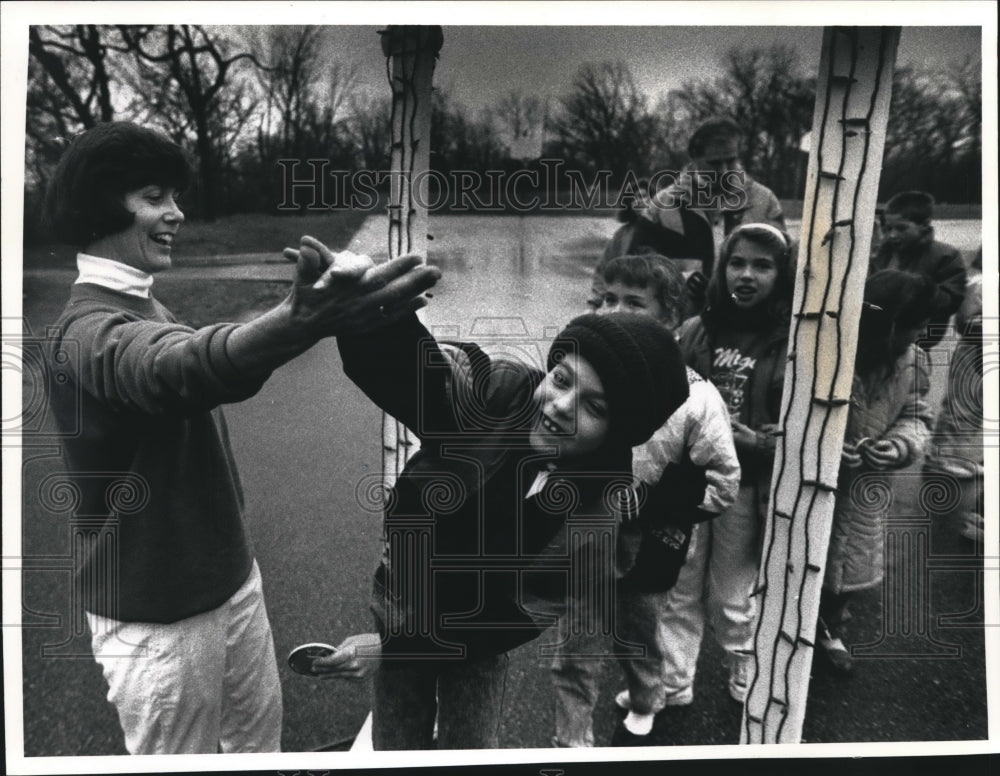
{"type": "Point", "coordinates": [639, 364]}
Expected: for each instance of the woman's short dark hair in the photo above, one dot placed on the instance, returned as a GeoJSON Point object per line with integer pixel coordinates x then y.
{"type": "Point", "coordinates": [84, 198]}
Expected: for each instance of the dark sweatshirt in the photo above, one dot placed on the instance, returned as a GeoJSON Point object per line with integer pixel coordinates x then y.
{"type": "Point", "coordinates": [157, 524]}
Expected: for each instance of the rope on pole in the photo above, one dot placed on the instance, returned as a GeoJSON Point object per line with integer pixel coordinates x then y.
{"type": "Point", "coordinates": [411, 52]}
{"type": "Point", "coordinates": [848, 136]}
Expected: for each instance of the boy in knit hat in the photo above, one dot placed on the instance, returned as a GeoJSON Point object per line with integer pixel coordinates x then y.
{"type": "Point", "coordinates": [171, 591]}
{"type": "Point", "coordinates": [908, 244]}
{"type": "Point", "coordinates": [689, 472]}
{"type": "Point", "coordinates": [536, 466]}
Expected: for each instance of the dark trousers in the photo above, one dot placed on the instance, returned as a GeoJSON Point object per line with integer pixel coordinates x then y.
{"type": "Point", "coordinates": [464, 696]}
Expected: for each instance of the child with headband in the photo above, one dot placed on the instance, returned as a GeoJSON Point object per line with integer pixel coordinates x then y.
{"type": "Point", "coordinates": [739, 343]}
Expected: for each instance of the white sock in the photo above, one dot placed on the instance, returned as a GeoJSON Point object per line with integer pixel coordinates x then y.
{"type": "Point", "coordinates": [639, 724]}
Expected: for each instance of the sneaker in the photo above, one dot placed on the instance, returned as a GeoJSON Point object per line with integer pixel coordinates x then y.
{"type": "Point", "coordinates": [835, 654]}
{"type": "Point", "coordinates": [740, 666]}
{"type": "Point", "coordinates": [622, 737]}
{"type": "Point", "coordinates": [682, 697]}
{"type": "Point", "coordinates": [638, 724]}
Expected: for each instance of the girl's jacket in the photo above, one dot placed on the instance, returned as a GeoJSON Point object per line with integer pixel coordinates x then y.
{"type": "Point", "coordinates": [765, 387]}
{"type": "Point", "coordinates": [894, 408]}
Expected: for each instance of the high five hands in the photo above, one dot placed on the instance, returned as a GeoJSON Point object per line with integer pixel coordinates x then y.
{"type": "Point", "coordinates": [347, 293]}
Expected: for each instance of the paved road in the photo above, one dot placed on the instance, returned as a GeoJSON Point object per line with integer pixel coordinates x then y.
{"type": "Point", "coordinates": [307, 440]}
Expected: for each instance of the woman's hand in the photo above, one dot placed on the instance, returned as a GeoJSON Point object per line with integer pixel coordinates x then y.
{"type": "Point", "coordinates": [355, 658]}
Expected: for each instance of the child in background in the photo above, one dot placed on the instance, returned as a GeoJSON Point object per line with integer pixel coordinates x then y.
{"type": "Point", "coordinates": [639, 235]}
{"type": "Point", "coordinates": [908, 244]}
{"type": "Point", "coordinates": [695, 440]}
{"type": "Point", "coordinates": [690, 472]}
{"type": "Point", "coordinates": [740, 343]}
{"type": "Point", "coordinates": [957, 451]}
{"type": "Point", "coordinates": [887, 428]}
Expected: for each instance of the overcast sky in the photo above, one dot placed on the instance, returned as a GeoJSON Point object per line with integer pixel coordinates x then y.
{"type": "Point", "coordinates": [480, 64]}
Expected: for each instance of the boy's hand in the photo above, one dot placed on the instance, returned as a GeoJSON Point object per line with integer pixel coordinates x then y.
{"type": "Point", "coordinates": [318, 266]}
{"type": "Point", "coordinates": [346, 293]}
{"type": "Point", "coordinates": [356, 658]}
{"type": "Point", "coordinates": [882, 454]}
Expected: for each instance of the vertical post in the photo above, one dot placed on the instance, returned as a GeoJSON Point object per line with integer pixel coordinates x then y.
{"type": "Point", "coordinates": [411, 52]}
{"type": "Point", "coordinates": [852, 109]}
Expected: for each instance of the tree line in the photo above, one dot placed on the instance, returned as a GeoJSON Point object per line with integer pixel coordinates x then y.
{"type": "Point", "coordinates": [242, 98]}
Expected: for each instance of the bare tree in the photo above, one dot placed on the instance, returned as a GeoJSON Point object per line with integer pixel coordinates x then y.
{"type": "Point", "coordinates": [288, 87]}
{"type": "Point", "coordinates": [604, 122]}
{"type": "Point", "coordinates": [764, 91]}
{"type": "Point", "coordinates": [190, 71]}
{"type": "Point", "coordinates": [71, 75]}
{"type": "Point", "coordinates": [934, 138]}
{"type": "Point", "coordinates": [520, 118]}
{"type": "Point", "coordinates": [369, 130]}
{"type": "Point", "coordinates": [461, 139]}
{"type": "Point", "coordinates": [74, 59]}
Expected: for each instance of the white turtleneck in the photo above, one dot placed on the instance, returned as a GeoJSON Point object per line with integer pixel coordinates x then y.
{"type": "Point", "coordinates": [114, 275]}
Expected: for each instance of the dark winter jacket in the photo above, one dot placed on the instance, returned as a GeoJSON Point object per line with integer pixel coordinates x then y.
{"type": "Point", "coordinates": [472, 564]}
{"type": "Point", "coordinates": [943, 264]}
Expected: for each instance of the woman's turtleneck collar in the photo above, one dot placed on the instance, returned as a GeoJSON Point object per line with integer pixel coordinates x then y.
{"type": "Point", "coordinates": [113, 275]}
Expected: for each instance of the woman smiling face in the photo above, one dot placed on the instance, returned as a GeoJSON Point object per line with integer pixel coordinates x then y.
{"type": "Point", "coordinates": [573, 409]}
{"type": "Point", "coordinates": [147, 242]}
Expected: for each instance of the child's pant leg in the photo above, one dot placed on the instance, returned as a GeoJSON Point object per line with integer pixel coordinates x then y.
{"type": "Point", "coordinates": [576, 674]}
{"type": "Point", "coordinates": [638, 617]}
{"type": "Point", "coordinates": [466, 697]}
{"type": "Point", "coordinates": [470, 703]}
{"type": "Point", "coordinates": [405, 706]}
{"type": "Point", "coordinates": [252, 706]}
{"type": "Point", "coordinates": [682, 618]}
{"type": "Point", "coordinates": [732, 572]}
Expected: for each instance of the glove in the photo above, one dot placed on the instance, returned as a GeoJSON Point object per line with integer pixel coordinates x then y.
{"type": "Point", "coordinates": [675, 499]}
{"type": "Point", "coordinates": [662, 552]}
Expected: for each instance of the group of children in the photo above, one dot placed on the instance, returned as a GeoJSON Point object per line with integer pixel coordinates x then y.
{"type": "Point", "coordinates": [737, 347]}
{"type": "Point", "coordinates": [617, 494]}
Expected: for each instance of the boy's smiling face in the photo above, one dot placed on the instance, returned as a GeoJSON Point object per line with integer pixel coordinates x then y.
{"type": "Point", "coordinates": [573, 409]}
{"type": "Point", "coordinates": [146, 243]}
